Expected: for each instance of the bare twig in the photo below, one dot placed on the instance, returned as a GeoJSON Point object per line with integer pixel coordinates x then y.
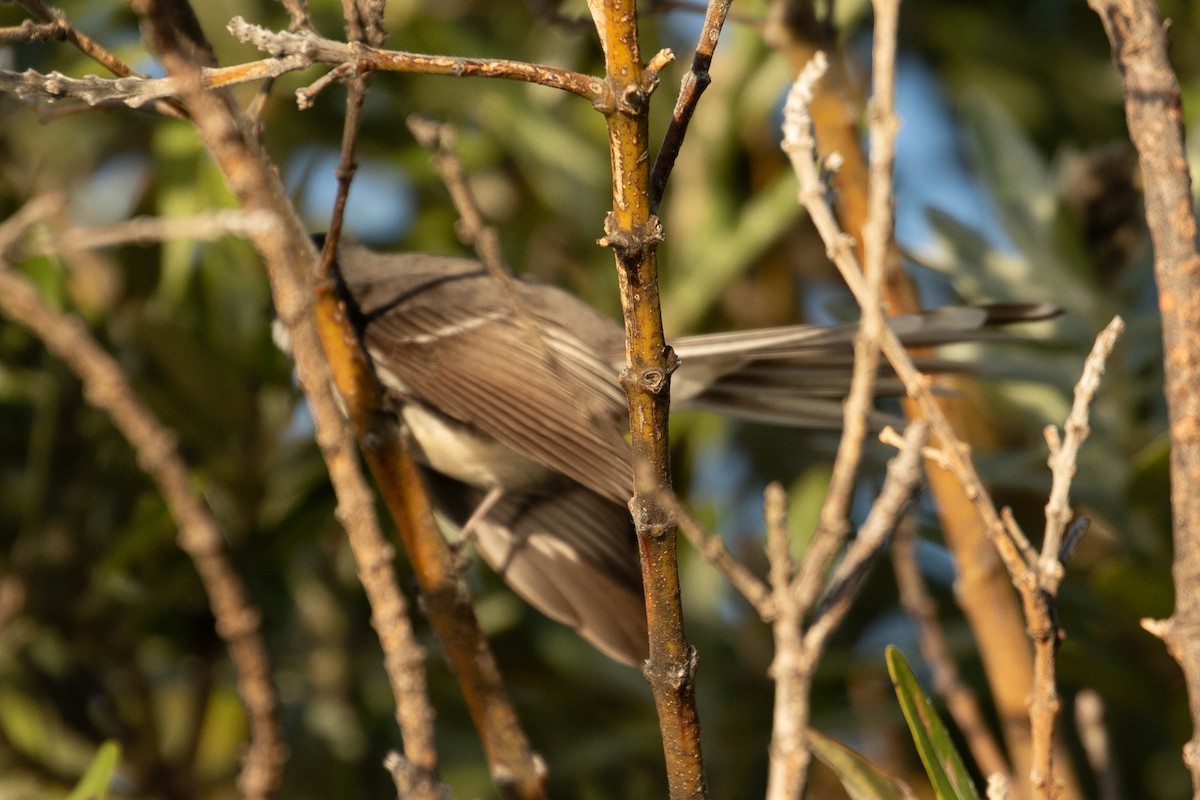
{"type": "Point", "coordinates": [1155, 118]}
{"type": "Point", "coordinates": [903, 476]}
{"type": "Point", "coordinates": [1014, 549]}
{"type": "Point", "coordinates": [138, 230]}
{"type": "Point", "coordinates": [293, 52]}
{"type": "Point", "coordinates": [633, 233]}
{"type": "Point", "coordinates": [1065, 452]}
{"type": "Point", "coordinates": [134, 92]}
{"type": "Point", "coordinates": [1089, 720]}
{"type": "Point", "coordinates": [315, 50]}
{"type": "Point", "coordinates": [799, 146]}
{"type": "Point", "coordinates": [417, 777]}
{"type": "Point", "coordinates": [289, 259]}
{"type": "Point", "coordinates": [791, 669]}
{"type": "Point", "coordinates": [56, 20]}
{"type": "Point", "coordinates": [695, 81]}
{"type": "Point", "coordinates": [749, 585]}
{"type": "Point", "coordinates": [834, 524]}
{"type": "Point", "coordinates": [440, 139]}
{"type": "Point", "coordinates": [1039, 582]}
{"type": "Point", "coordinates": [237, 621]}
{"type": "Point", "coordinates": [987, 599]}
{"type": "Point", "coordinates": [798, 651]}
{"type": "Point", "coordinates": [298, 12]}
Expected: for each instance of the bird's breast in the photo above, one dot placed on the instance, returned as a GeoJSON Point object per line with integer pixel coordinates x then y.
{"type": "Point", "coordinates": [465, 454]}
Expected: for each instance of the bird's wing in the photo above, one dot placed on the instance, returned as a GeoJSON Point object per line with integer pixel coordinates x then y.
{"type": "Point", "coordinates": [570, 555]}
{"type": "Point", "coordinates": [544, 392]}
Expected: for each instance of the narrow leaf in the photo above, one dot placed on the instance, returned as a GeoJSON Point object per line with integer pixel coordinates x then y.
{"type": "Point", "coordinates": [945, 768]}
{"type": "Point", "coordinates": [94, 783]}
{"type": "Point", "coordinates": [861, 779]}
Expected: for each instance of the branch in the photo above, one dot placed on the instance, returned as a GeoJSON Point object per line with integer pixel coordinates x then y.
{"type": "Point", "coordinates": [798, 652]}
{"type": "Point", "coordinates": [290, 261]}
{"type": "Point", "coordinates": [833, 522]}
{"type": "Point", "coordinates": [310, 50]}
{"type": "Point", "coordinates": [749, 585]}
{"type": "Point", "coordinates": [139, 230]}
{"type": "Point", "coordinates": [105, 386]}
{"type": "Point", "coordinates": [55, 23]}
{"type": "Point", "coordinates": [1064, 453]}
{"type": "Point", "coordinates": [799, 145]}
{"type": "Point", "coordinates": [1039, 583]}
{"type": "Point", "coordinates": [1155, 118]}
{"type": "Point", "coordinates": [903, 476]}
{"type": "Point", "coordinates": [695, 81]}
{"type": "Point", "coordinates": [633, 233]}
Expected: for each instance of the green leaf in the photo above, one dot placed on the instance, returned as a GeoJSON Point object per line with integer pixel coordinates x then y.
{"type": "Point", "coordinates": [945, 768]}
{"type": "Point", "coordinates": [861, 779]}
{"type": "Point", "coordinates": [94, 783]}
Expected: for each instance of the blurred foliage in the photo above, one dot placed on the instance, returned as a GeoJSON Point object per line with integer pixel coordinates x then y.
{"type": "Point", "coordinates": [105, 634]}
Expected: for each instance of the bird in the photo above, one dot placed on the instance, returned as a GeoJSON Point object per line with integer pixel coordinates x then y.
{"type": "Point", "coordinates": [509, 391]}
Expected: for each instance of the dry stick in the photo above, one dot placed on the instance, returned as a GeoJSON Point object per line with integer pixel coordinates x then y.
{"type": "Point", "coordinates": [439, 140]}
{"type": "Point", "coordinates": [448, 600]}
{"type": "Point", "coordinates": [298, 12]}
{"type": "Point", "coordinates": [1089, 721]}
{"type": "Point", "coordinates": [415, 774]}
{"type": "Point", "coordinates": [237, 621]}
{"type": "Point", "coordinates": [633, 232]}
{"type": "Point", "coordinates": [288, 256]}
{"type": "Point", "coordinates": [750, 586]}
{"type": "Point", "coordinates": [1039, 583]}
{"type": "Point", "coordinates": [903, 476]}
{"type": "Point", "coordinates": [292, 52]}
{"type": "Point", "coordinates": [1155, 118]}
{"type": "Point", "coordinates": [799, 146]}
{"type": "Point", "coordinates": [1014, 549]}
{"type": "Point", "coordinates": [986, 595]}
{"type": "Point", "coordinates": [960, 701]}
{"type": "Point", "coordinates": [789, 755]}
{"type": "Point", "coordinates": [695, 81]}
{"type": "Point", "coordinates": [833, 521]}
{"type": "Point", "coordinates": [139, 230]}
{"type": "Point", "coordinates": [316, 50]}
{"type": "Point", "coordinates": [93, 49]}
{"type": "Point", "coordinates": [798, 651]}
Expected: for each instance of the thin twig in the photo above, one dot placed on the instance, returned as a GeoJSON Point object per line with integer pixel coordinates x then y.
{"type": "Point", "coordinates": [140, 230]}
{"type": "Point", "coordinates": [290, 259]}
{"type": "Point", "coordinates": [799, 145]}
{"type": "Point", "coordinates": [1089, 721]}
{"type": "Point", "coordinates": [833, 521]}
{"type": "Point", "coordinates": [695, 81]}
{"type": "Point", "coordinates": [440, 140]}
{"type": "Point", "coordinates": [298, 12]}
{"type": "Point", "coordinates": [1040, 581]}
{"type": "Point", "coordinates": [1064, 453]}
{"type": "Point", "coordinates": [903, 477]}
{"type": "Point", "coordinates": [58, 20]}
{"type": "Point", "coordinates": [749, 585]}
{"type": "Point", "coordinates": [237, 621]}
{"type": "Point", "coordinates": [418, 778]}
{"type": "Point", "coordinates": [312, 50]}
{"type": "Point", "coordinates": [798, 652]}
